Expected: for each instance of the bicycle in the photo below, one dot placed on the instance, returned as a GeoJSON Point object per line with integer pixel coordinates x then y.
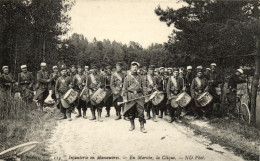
{"type": "Point", "coordinates": [14, 153]}
{"type": "Point", "coordinates": [242, 109]}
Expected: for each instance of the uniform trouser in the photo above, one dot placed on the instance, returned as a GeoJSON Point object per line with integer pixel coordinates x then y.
{"type": "Point", "coordinates": [117, 107]}
{"type": "Point", "coordinates": [139, 110]}
{"type": "Point", "coordinates": [97, 107]}
{"type": "Point", "coordinates": [81, 105]}
{"type": "Point", "coordinates": [42, 95]}
{"type": "Point", "coordinates": [150, 106]}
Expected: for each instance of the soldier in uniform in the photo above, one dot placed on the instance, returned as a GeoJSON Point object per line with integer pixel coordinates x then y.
{"type": "Point", "coordinates": [43, 80]}
{"type": "Point", "coordinates": [63, 84]}
{"type": "Point", "coordinates": [214, 82]}
{"type": "Point", "coordinates": [133, 89]}
{"type": "Point", "coordinates": [7, 80]}
{"type": "Point", "coordinates": [86, 71]}
{"type": "Point", "coordinates": [79, 82]}
{"type": "Point", "coordinates": [73, 71]}
{"type": "Point", "coordinates": [94, 82]}
{"type": "Point", "coordinates": [25, 83]}
{"type": "Point", "coordinates": [233, 81]}
{"type": "Point", "coordinates": [175, 86]}
{"type": "Point", "coordinates": [149, 87]}
{"type": "Point", "coordinates": [199, 85]}
{"type": "Point", "coordinates": [108, 101]}
{"type": "Point", "coordinates": [116, 85]}
{"type": "Point", "coordinates": [53, 77]}
{"type": "Point", "coordinates": [189, 76]}
{"type": "Point", "coordinates": [161, 82]}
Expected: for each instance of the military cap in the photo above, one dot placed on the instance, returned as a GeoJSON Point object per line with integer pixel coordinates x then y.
{"type": "Point", "coordinates": [73, 66]}
{"type": "Point", "coordinates": [135, 63]}
{"type": "Point", "coordinates": [161, 68]}
{"type": "Point", "coordinates": [23, 66]}
{"type": "Point", "coordinates": [199, 67]}
{"type": "Point", "coordinates": [189, 67]}
{"type": "Point", "coordinates": [240, 71]}
{"type": "Point", "coordinates": [119, 64]}
{"type": "Point", "coordinates": [43, 64]}
{"type": "Point", "coordinates": [55, 67]}
{"type": "Point", "coordinates": [213, 64]}
{"type": "Point", "coordinates": [63, 68]}
{"type": "Point", "coordinates": [5, 67]}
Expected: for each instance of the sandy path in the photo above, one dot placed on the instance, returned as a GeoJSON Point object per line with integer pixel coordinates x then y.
{"type": "Point", "coordinates": [82, 139]}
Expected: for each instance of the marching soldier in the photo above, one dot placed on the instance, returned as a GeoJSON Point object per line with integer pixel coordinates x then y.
{"type": "Point", "coordinates": [94, 82]}
{"type": "Point", "coordinates": [86, 71]}
{"type": "Point", "coordinates": [116, 85]}
{"type": "Point", "coordinates": [7, 80]}
{"type": "Point", "coordinates": [53, 77]}
{"type": "Point", "coordinates": [78, 82]}
{"type": "Point", "coordinates": [108, 101]}
{"type": "Point", "coordinates": [63, 84]}
{"type": "Point", "coordinates": [132, 89]}
{"type": "Point", "coordinates": [189, 76]}
{"type": "Point", "coordinates": [161, 86]}
{"type": "Point", "coordinates": [175, 86]}
{"type": "Point", "coordinates": [42, 85]}
{"type": "Point", "coordinates": [149, 87]}
{"type": "Point", "coordinates": [214, 82]}
{"type": "Point", "coordinates": [233, 81]}
{"type": "Point", "coordinates": [25, 83]}
{"type": "Point", "coordinates": [73, 71]}
{"type": "Point", "coordinates": [199, 85]}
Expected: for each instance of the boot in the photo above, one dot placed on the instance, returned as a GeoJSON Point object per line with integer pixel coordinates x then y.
{"type": "Point", "coordinates": [69, 116]}
{"type": "Point", "coordinates": [99, 116]}
{"type": "Point", "coordinates": [63, 117]}
{"type": "Point", "coordinates": [142, 127]}
{"type": "Point", "coordinates": [93, 115]}
{"type": "Point", "coordinates": [161, 114]}
{"type": "Point", "coordinates": [79, 113]}
{"type": "Point", "coordinates": [108, 113]}
{"type": "Point", "coordinates": [171, 119]}
{"type": "Point", "coordinates": [154, 117]}
{"type": "Point", "coordinates": [118, 115]}
{"type": "Point", "coordinates": [132, 125]}
{"type": "Point", "coordinates": [84, 114]}
{"type": "Point", "coordinates": [148, 115]}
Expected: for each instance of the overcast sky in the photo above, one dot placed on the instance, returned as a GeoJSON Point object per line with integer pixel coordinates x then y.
{"type": "Point", "coordinates": [121, 20]}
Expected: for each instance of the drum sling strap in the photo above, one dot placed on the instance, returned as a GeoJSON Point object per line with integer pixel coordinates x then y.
{"type": "Point", "coordinates": [198, 82]}
{"type": "Point", "coordinates": [150, 81]}
{"type": "Point", "coordinates": [93, 79]}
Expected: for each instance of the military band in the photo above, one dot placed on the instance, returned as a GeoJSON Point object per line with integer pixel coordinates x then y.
{"type": "Point", "coordinates": [162, 91]}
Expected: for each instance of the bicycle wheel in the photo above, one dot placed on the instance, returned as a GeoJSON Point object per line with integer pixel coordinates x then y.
{"type": "Point", "coordinates": [245, 113]}
{"type": "Point", "coordinates": [18, 150]}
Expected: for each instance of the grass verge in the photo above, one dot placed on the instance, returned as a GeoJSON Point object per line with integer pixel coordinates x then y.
{"type": "Point", "coordinates": [33, 125]}
{"type": "Point", "coordinates": [244, 140]}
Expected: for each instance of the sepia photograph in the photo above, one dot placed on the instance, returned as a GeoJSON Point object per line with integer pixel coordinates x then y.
{"type": "Point", "coordinates": [129, 80]}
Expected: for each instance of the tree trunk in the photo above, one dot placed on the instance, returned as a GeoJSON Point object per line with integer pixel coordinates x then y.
{"type": "Point", "coordinates": [255, 81]}
{"type": "Point", "coordinates": [43, 53]}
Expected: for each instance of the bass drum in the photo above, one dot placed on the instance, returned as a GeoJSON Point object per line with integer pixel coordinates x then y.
{"type": "Point", "coordinates": [98, 96]}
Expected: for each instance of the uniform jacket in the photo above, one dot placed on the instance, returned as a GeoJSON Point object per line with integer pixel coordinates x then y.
{"type": "Point", "coordinates": [25, 80]}
{"type": "Point", "coordinates": [116, 84]}
{"type": "Point", "coordinates": [198, 86]}
{"type": "Point", "coordinates": [42, 77]}
{"type": "Point", "coordinates": [62, 85]}
{"type": "Point", "coordinates": [133, 88]}
{"type": "Point", "coordinates": [174, 86]}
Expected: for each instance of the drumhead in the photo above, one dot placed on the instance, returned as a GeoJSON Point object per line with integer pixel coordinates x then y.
{"type": "Point", "coordinates": [67, 94]}
{"type": "Point", "coordinates": [180, 96]}
{"type": "Point", "coordinates": [64, 103]}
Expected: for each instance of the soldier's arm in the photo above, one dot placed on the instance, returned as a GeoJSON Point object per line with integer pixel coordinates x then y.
{"type": "Point", "coordinates": [192, 88]}
{"type": "Point", "coordinates": [112, 84]}
{"type": "Point", "coordinates": [41, 79]}
{"type": "Point", "coordinates": [168, 87]}
{"type": "Point", "coordinates": [56, 88]}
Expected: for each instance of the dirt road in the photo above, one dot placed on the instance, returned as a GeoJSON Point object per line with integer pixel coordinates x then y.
{"type": "Point", "coordinates": [83, 139]}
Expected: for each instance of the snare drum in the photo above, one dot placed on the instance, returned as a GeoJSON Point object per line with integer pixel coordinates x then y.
{"type": "Point", "coordinates": [70, 96]}
{"type": "Point", "coordinates": [158, 98]}
{"type": "Point", "coordinates": [204, 99]}
{"type": "Point", "coordinates": [183, 99]}
{"type": "Point", "coordinates": [98, 96]}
